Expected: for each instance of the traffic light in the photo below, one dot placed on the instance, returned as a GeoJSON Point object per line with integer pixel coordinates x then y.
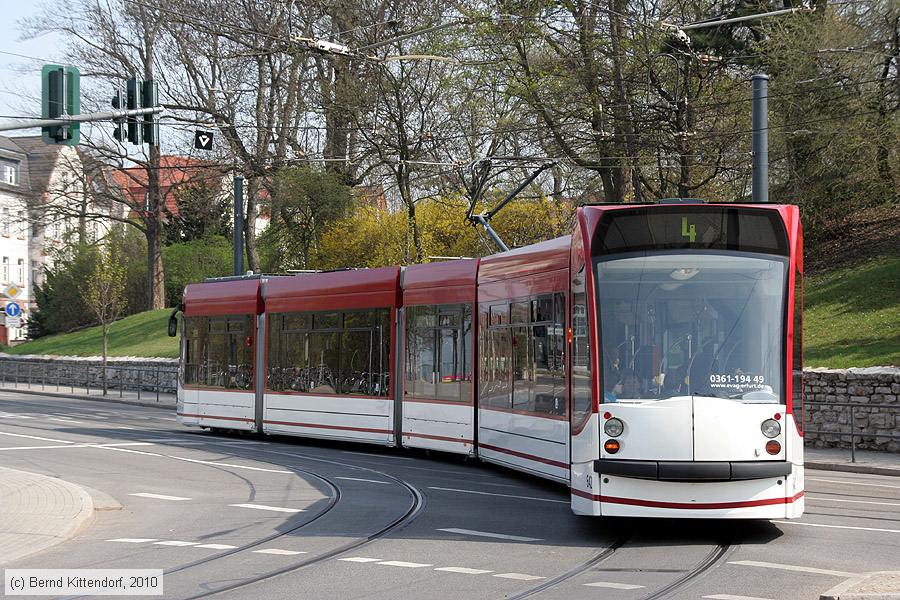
{"type": "Point", "coordinates": [119, 103]}
{"type": "Point", "coordinates": [60, 97]}
{"type": "Point", "coordinates": [150, 94]}
{"type": "Point", "coordinates": [134, 98]}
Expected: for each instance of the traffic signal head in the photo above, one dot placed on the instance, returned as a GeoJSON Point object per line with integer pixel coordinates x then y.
{"type": "Point", "coordinates": [134, 100]}
{"type": "Point", "coordinates": [150, 97]}
{"type": "Point", "coordinates": [60, 97]}
{"type": "Point", "coordinates": [118, 102]}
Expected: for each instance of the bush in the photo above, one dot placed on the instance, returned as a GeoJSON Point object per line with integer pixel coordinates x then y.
{"type": "Point", "coordinates": [193, 261]}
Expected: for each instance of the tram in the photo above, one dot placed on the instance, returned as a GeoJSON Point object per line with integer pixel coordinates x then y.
{"type": "Point", "coordinates": [651, 361]}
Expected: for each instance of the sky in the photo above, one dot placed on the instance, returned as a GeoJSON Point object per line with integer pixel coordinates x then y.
{"type": "Point", "coordinates": [20, 78]}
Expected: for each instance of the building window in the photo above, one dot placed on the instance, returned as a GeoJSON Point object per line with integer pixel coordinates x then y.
{"type": "Point", "coordinates": [21, 224]}
{"type": "Point", "coordinates": [5, 272]}
{"type": "Point", "coordinates": [35, 272]}
{"type": "Point", "coordinates": [20, 271]}
{"type": "Point", "coordinates": [9, 171]}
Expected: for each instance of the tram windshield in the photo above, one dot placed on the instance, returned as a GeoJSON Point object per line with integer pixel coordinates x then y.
{"type": "Point", "coordinates": [678, 324]}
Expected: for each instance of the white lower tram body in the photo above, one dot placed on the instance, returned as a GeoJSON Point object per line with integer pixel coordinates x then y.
{"type": "Point", "coordinates": [690, 457]}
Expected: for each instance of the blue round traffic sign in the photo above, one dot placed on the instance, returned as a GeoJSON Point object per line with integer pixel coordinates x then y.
{"type": "Point", "coordinates": [13, 310]}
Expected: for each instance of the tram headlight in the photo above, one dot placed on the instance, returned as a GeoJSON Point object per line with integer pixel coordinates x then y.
{"type": "Point", "coordinates": [614, 427]}
{"type": "Point", "coordinates": [770, 428]}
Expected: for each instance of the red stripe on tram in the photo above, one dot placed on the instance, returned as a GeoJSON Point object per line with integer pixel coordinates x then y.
{"type": "Point", "coordinates": [687, 505]}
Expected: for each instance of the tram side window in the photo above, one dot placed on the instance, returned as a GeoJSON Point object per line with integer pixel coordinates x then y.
{"type": "Point", "coordinates": [496, 357]}
{"type": "Point", "coordinates": [797, 367]}
{"type": "Point", "coordinates": [219, 352]}
{"type": "Point", "coordinates": [330, 353]}
{"type": "Point", "coordinates": [581, 352]}
{"type": "Point", "coordinates": [438, 352]}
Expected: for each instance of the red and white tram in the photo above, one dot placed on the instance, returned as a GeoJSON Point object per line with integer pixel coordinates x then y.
{"type": "Point", "coordinates": [650, 361]}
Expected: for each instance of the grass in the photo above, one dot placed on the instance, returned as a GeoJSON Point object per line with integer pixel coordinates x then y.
{"type": "Point", "coordinates": [143, 334]}
{"type": "Point", "coordinates": [852, 319]}
{"type": "Point", "coordinates": [852, 315]}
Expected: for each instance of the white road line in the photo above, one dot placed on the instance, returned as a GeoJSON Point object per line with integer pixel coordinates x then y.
{"type": "Point", "coordinates": [360, 559]}
{"type": "Point", "coordinates": [819, 498]}
{"type": "Point", "coordinates": [108, 447]}
{"type": "Point", "coordinates": [464, 570]}
{"type": "Point", "coordinates": [134, 540]}
{"type": "Point", "coordinates": [499, 536]}
{"type": "Point", "coordinates": [731, 597]}
{"type": "Point", "coordinates": [35, 437]}
{"type": "Point", "coordinates": [893, 487]}
{"type": "Point", "coordinates": [366, 480]}
{"type": "Point", "coordinates": [278, 551]}
{"type": "Point", "coordinates": [62, 420]}
{"type": "Point", "coordinates": [519, 576]}
{"type": "Point", "coordinates": [769, 565]}
{"type": "Point", "coordinates": [838, 526]}
{"type": "Point", "coordinates": [443, 489]}
{"type": "Point", "coordinates": [216, 546]}
{"type": "Point", "coordinates": [174, 543]}
{"type": "Point", "coordinates": [233, 466]}
{"type": "Point", "coordinates": [158, 496]}
{"type": "Point", "coordinates": [401, 563]}
{"type": "Point", "coordinates": [71, 445]}
{"type": "Point", "coordinates": [614, 586]}
{"type": "Point", "coordinates": [265, 507]}
{"type": "Point", "coordinates": [377, 455]}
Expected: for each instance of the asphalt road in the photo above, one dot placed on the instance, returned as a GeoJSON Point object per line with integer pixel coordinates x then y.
{"type": "Point", "coordinates": [234, 517]}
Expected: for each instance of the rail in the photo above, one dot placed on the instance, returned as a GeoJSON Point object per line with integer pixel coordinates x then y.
{"type": "Point", "coordinates": [148, 381]}
{"type": "Point", "coordinates": [852, 432]}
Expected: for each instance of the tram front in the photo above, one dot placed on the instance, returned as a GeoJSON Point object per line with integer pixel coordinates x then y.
{"type": "Point", "coordinates": [694, 350]}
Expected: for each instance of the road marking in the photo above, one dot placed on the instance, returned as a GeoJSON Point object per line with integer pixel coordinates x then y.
{"type": "Point", "coordinates": [216, 546]}
{"type": "Point", "coordinates": [377, 455]}
{"type": "Point", "coordinates": [893, 487]}
{"type": "Point", "coordinates": [731, 597]}
{"type": "Point", "coordinates": [465, 570]}
{"type": "Point", "coordinates": [161, 439]}
{"type": "Point", "coordinates": [852, 501]}
{"type": "Point", "coordinates": [366, 480]}
{"type": "Point", "coordinates": [174, 543]}
{"type": "Point", "coordinates": [64, 420]}
{"type": "Point", "coordinates": [768, 565]}
{"type": "Point", "coordinates": [71, 445]}
{"type": "Point", "coordinates": [278, 551]}
{"type": "Point", "coordinates": [35, 437]}
{"type": "Point", "coordinates": [443, 489]}
{"type": "Point", "coordinates": [360, 559]}
{"type": "Point", "coordinates": [499, 536]}
{"type": "Point", "coordinates": [109, 447]}
{"type": "Point", "coordinates": [613, 585]}
{"type": "Point", "coordinates": [134, 540]}
{"type": "Point", "coordinates": [272, 508]}
{"type": "Point", "coordinates": [400, 563]}
{"type": "Point", "coordinates": [519, 576]}
{"type": "Point", "coordinates": [158, 496]}
{"type": "Point", "coordinates": [233, 466]}
{"type": "Point", "coordinates": [12, 416]}
{"type": "Point", "coordinates": [838, 526]}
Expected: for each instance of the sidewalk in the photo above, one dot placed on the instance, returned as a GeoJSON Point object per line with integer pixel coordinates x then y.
{"type": "Point", "coordinates": [144, 398]}
{"type": "Point", "coordinates": [838, 459]}
{"type": "Point", "coordinates": [37, 512]}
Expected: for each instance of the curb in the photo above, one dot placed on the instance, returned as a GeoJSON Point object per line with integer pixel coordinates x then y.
{"type": "Point", "coordinates": [78, 524]}
{"type": "Point", "coordinates": [853, 468]}
{"type": "Point", "coordinates": [845, 590]}
{"type": "Point", "coordinates": [94, 398]}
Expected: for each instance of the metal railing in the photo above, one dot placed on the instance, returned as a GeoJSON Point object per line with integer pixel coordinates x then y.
{"type": "Point", "coordinates": [853, 433]}
{"type": "Point", "coordinates": [146, 381]}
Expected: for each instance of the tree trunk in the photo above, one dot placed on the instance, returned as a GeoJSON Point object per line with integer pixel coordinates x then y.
{"type": "Point", "coordinates": [105, 353]}
{"type": "Point", "coordinates": [155, 274]}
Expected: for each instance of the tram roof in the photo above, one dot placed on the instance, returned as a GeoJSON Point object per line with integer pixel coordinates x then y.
{"type": "Point", "coordinates": [551, 255]}
{"type": "Point", "coordinates": [440, 282]}
{"type": "Point", "coordinates": [335, 290]}
{"type": "Point", "coordinates": [225, 297]}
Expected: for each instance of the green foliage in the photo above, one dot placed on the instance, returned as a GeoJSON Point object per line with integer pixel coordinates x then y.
{"type": "Point", "coordinates": [203, 212]}
{"type": "Point", "coordinates": [59, 302]}
{"type": "Point", "coordinates": [143, 334]}
{"type": "Point", "coordinates": [852, 316]}
{"type": "Point", "coordinates": [131, 249]}
{"type": "Point", "coordinates": [304, 204]}
{"type": "Point", "coordinates": [104, 290]}
{"type": "Point", "coordinates": [194, 261]}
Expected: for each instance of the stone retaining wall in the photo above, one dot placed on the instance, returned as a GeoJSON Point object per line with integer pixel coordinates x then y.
{"type": "Point", "coordinates": [871, 389]}
{"type": "Point", "coordinates": [130, 372]}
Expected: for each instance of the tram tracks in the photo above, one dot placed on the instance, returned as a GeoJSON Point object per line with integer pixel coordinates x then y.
{"type": "Point", "coordinates": [715, 556]}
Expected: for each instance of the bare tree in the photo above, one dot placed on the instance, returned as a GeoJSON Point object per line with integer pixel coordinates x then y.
{"type": "Point", "coordinates": [104, 293]}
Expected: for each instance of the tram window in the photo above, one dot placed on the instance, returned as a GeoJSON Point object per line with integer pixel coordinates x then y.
{"type": "Point", "coordinates": [519, 312]}
{"type": "Point", "coordinates": [496, 367]}
{"type": "Point", "coordinates": [523, 369]}
{"type": "Point", "coordinates": [438, 349]}
{"type": "Point", "coordinates": [220, 352]}
{"type": "Point", "coordinates": [797, 363]}
{"type": "Point", "coordinates": [581, 353]}
{"type": "Point", "coordinates": [310, 353]}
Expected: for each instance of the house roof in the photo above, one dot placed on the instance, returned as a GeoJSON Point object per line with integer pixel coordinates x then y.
{"type": "Point", "coordinates": [175, 172]}
{"type": "Point", "coordinates": [42, 160]}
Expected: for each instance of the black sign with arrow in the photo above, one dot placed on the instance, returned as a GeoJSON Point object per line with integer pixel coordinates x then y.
{"type": "Point", "coordinates": [203, 140]}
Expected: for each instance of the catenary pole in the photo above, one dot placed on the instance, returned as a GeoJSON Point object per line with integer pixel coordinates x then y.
{"type": "Point", "coordinates": [238, 236]}
{"type": "Point", "coordinates": [760, 179]}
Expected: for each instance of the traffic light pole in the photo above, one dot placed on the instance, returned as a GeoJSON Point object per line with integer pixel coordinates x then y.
{"type": "Point", "coordinates": [86, 118]}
